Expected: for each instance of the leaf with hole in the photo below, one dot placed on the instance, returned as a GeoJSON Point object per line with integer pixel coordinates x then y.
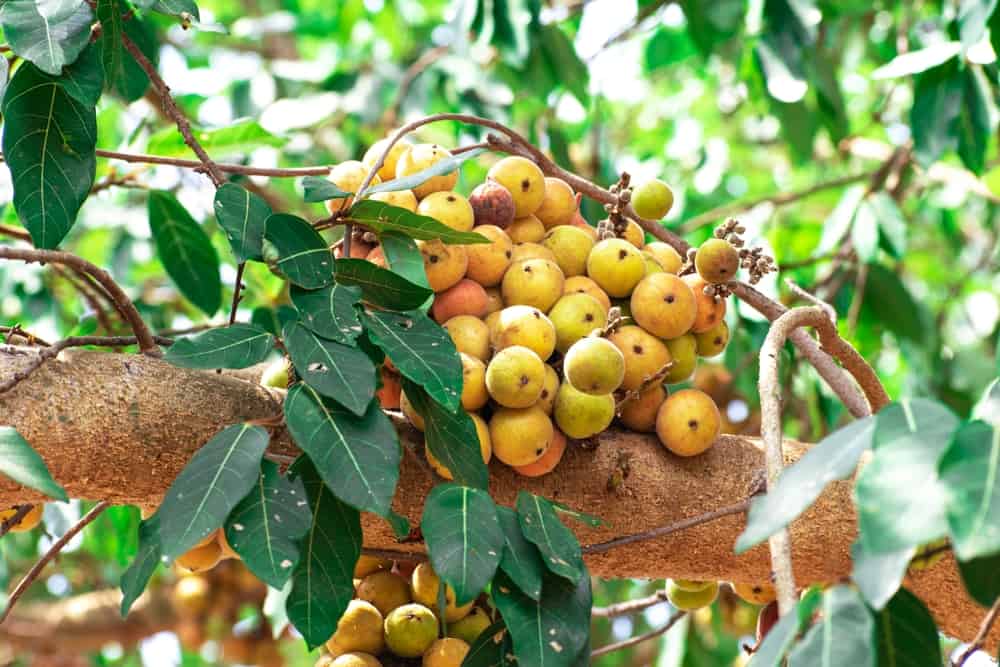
{"type": "Point", "coordinates": [50, 34]}
{"type": "Point", "coordinates": [357, 456]}
{"type": "Point", "coordinates": [235, 346]}
{"type": "Point", "coordinates": [970, 473]}
{"type": "Point", "coordinates": [243, 215]}
{"type": "Point", "coordinates": [213, 482]}
{"type": "Point", "coordinates": [843, 635]}
{"type": "Point", "coordinates": [144, 564]}
{"type": "Point", "coordinates": [22, 464]}
{"type": "Point", "coordinates": [303, 255]}
{"type": "Point", "coordinates": [557, 544]}
{"type": "Point", "coordinates": [338, 371]}
{"type": "Point", "coordinates": [329, 311]}
{"type": "Point", "coordinates": [520, 560]}
{"type": "Point", "coordinates": [381, 287]}
{"type": "Point", "coordinates": [381, 218]}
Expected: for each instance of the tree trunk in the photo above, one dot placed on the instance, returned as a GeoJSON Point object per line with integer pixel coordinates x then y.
{"type": "Point", "coordinates": [120, 427]}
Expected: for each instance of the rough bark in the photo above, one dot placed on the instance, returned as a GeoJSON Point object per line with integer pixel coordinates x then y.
{"type": "Point", "coordinates": [120, 427]}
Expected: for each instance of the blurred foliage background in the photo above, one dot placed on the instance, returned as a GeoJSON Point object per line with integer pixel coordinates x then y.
{"type": "Point", "coordinates": [854, 139]}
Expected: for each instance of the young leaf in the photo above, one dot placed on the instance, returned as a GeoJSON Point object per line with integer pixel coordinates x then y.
{"type": "Point", "coordinates": [970, 472]}
{"type": "Point", "coordinates": [521, 560]}
{"type": "Point", "coordinates": [147, 559]}
{"type": "Point", "coordinates": [323, 581]}
{"type": "Point", "coordinates": [835, 457]}
{"type": "Point", "coordinates": [879, 575]}
{"type": "Point", "coordinates": [842, 636]}
{"type": "Point", "coordinates": [109, 13]}
{"type": "Point", "coordinates": [981, 577]}
{"type": "Point", "coordinates": [403, 257]}
{"type": "Point", "coordinates": [381, 218]}
{"type": "Point", "coordinates": [777, 643]}
{"type": "Point", "coordinates": [557, 544]}
{"type": "Point", "coordinates": [381, 287]}
{"type": "Point", "coordinates": [22, 464]}
{"type": "Point", "coordinates": [552, 631]}
{"type": "Point", "coordinates": [235, 346]}
{"type": "Point", "coordinates": [329, 311]}
{"type": "Point", "coordinates": [906, 633]}
{"type": "Point", "coordinates": [440, 168]}
{"type": "Point", "coordinates": [49, 138]}
{"type": "Point", "coordinates": [49, 35]}
{"type": "Point", "coordinates": [317, 189]}
{"type": "Point", "coordinates": [208, 488]}
{"type": "Point", "coordinates": [265, 527]}
{"type": "Point", "coordinates": [243, 215]}
{"type": "Point", "coordinates": [357, 457]}
{"type": "Point", "coordinates": [421, 350]}
{"type": "Point", "coordinates": [451, 437]}
{"type": "Point", "coordinates": [303, 255]}
{"type": "Point", "coordinates": [894, 512]}
{"type": "Point", "coordinates": [186, 252]}
{"type": "Point", "coordinates": [343, 373]}
{"type": "Point", "coordinates": [463, 538]}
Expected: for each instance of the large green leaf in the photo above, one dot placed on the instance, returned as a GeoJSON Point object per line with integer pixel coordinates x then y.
{"type": "Point", "coordinates": [549, 632]}
{"type": "Point", "coordinates": [521, 560]}
{"type": "Point", "coordinates": [50, 34]}
{"type": "Point", "coordinates": [879, 575]}
{"type": "Point", "coordinates": [970, 472]}
{"type": "Point", "coordinates": [240, 138]}
{"type": "Point", "coordinates": [403, 257]}
{"type": "Point", "coordinates": [216, 478]}
{"type": "Point", "coordinates": [49, 138]}
{"type": "Point", "coordinates": [975, 124]}
{"type": "Point", "coordinates": [265, 527]}
{"type": "Point", "coordinates": [109, 13]}
{"type": "Point", "coordinates": [889, 302]}
{"type": "Point", "coordinates": [381, 218]}
{"type": "Point", "coordinates": [235, 346]}
{"type": "Point", "coordinates": [357, 457]}
{"type": "Point", "coordinates": [329, 311]}
{"type": "Point", "coordinates": [557, 544]}
{"type": "Point", "coordinates": [323, 581]}
{"type": "Point", "coordinates": [144, 564]}
{"type": "Point", "coordinates": [906, 633]}
{"type": "Point", "coordinates": [463, 538]}
{"type": "Point", "coordinates": [451, 437]}
{"type": "Point", "coordinates": [303, 255]}
{"type": "Point", "coordinates": [981, 577]}
{"type": "Point", "coordinates": [22, 464]}
{"type": "Point", "coordinates": [488, 651]}
{"type": "Point", "coordinates": [186, 252]}
{"type": "Point", "coordinates": [937, 104]}
{"type": "Point", "coordinates": [779, 640]}
{"type": "Point", "coordinates": [132, 80]}
{"type": "Point", "coordinates": [338, 371]}
{"type": "Point", "coordinates": [439, 168]}
{"type": "Point", "coordinates": [243, 215]}
{"type": "Point", "coordinates": [422, 351]}
{"type": "Point", "coordinates": [842, 636]}
{"type": "Point", "coordinates": [900, 500]}
{"type": "Point", "coordinates": [563, 61]}
{"type": "Point", "coordinates": [381, 287]}
{"type": "Point", "coordinates": [835, 457]}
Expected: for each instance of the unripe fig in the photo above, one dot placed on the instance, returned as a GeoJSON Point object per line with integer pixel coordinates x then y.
{"type": "Point", "coordinates": [348, 176]}
{"type": "Point", "coordinates": [717, 261]}
{"type": "Point", "coordinates": [469, 628]}
{"type": "Point", "coordinates": [515, 377]}
{"type": "Point", "coordinates": [558, 205]}
{"type": "Point", "coordinates": [616, 266]}
{"type": "Point", "coordinates": [644, 354]}
{"type": "Point", "coordinates": [274, 376]}
{"type": "Point", "coordinates": [527, 229]}
{"type": "Point", "coordinates": [524, 180]}
{"type": "Point", "coordinates": [444, 264]}
{"type": "Point", "coordinates": [474, 394]}
{"type": "Point", "coordinates": [424, 156]}
{"type": "Point", "coordinates": [524, 250]}
{"type": "Point", "coordinates": [579, 221]}
{"type": "Point", "coordinates": [27, 522]}
{"type": "Point", "coordinates": [713, 342]}
{"type": "Point", "coordinates": [575, 316]}
{"type": "Point", "coordinates": [581, 415]}
{"type": "Point", "coordinates": [585, 285]}
{"type": "Point", "coordinates": [594, 366]}
{"type": "Point", "coordinates": [663, 305]}
{"type": "Point", "coordinates": [368, 564]}
{"type": "Point", "coordinates": [669, 259]}
{"type": "Point", "coordinates": [359, 629]}
{"type": "Point", "coordinates": [547, 399]}
{"type": "Point", "coordinates": [447, 652]}
{"type": "Point", "coordinates": [387, 171]}
{"type": "Point", "coordinates": [759, 594]}
{"type": "Point", "coordinates": [399, 198]}
{"type": "Point", "coordinates": [411, 415]}
{"type": "Point", "coordinates": [526, 326]}
{"type": "Point", "coordinates": [485, 448]}
{"type": "Point", "coordinates": [470, 335]}
{"type": "Point", "coordinates": [466, 297]}
{"type": "Point", "coordinates": [385, 590]}
{"type": "Point", "coordinates": [520, 435]}
{"type": "Point", "coordinates": [652, 200]}
{"type": "Point", "coordinates": [634, 234]}
{"type": "Point", "coordinates": [200, 559]}
{"type": "Point", "coordinates": [692, 585]}
{"type": "Point", "coordinates": [684, 352]}
{"type": "Point", "coordinates": [492, 204]}
{"type": "Point", "coordinates": [532, 282]}
{"type": "Point", "coordinates": [425, 586]}
{"type": "Point", "coordinates": [570, 247]}
{"type": "Point", "coordinates": [191, 596]}
{"type": "Point", "coordinates": [652, 264]}
{"type": "Point", "coordinates": [549, 460]}
{"type": "Point", "coordinates": [488, 263]}
{"type": "Point", "coordinates": [688, 422]}
{"type": "Point", "coordinates": [449, 208]}
{"type": "Point", "coordinates": [710, 309]}
{"type": "Point", "coordinates": [410, 630]}
{"type": "Point", "coordinates": [639, 414]}
{"type": "Point", "coordinates": [356, 659]}
{"type": "Point", "coordinates": [691, 600]}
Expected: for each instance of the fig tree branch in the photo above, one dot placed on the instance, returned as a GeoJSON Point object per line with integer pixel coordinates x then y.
{"type": "Point", "coordinates": [245, 170]}
{"type": "Point", "coordinates": [630, 606]}
{"type": "Point", "coordinates": [984, 631]}
{"type": "Point", "coordinates": [416, 68]}
{"type": "Point", "coordinates": [632, 641]}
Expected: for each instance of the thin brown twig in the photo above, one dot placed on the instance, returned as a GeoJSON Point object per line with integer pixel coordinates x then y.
{"type": "Point", "coordinates": [53, 551]}
{"type": "Point", "coordinates": [17, 330]}
{"type": "Point", "coordinates": [416, 68]}
{"type": "Point", "coordinates": [14, 232]}
{"type": "Point", "coordinates": [984, 630]}
{"type": "Point", "coordinates": [90, 292]}
{"type": "Point", "coordinates": [629, 606]}
{"type": "Point", "coordinates": [237, 292]}
{"type": "Point", "coordinates": [14, 519]}
{"type": "Point", "coordinates": [802, 293]}
{"type": "Point", "coordinates": [245, 170]}
{"type": "Point", "coordinates": [632, 641]}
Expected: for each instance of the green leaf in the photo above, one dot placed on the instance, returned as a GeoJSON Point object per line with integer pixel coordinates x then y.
{"type": "Point", "coordinates": [22, 464]}
{"type": "Point", "coordinates": [147, 559]}
{"type": "Point", "coordinates": [520, 560]}
{"type": "Point", "coordinates": [879, 575]}
{"type": "Point", "coordinates": [779, 640]}
{"type": "Point", "coordinates": [357, 457]}
{"type": "Point", "coordinates": [582, 517]}
{"type": "Point", "coordinates": [708, 29]}
{"type": "Point", "coordinates": [265, 527]}
{"type": "Point", "coordinates": [132, 80]}
{"type": "Point", "coordinates": [891, 224]}
{"type": "Point", "coordinates": [451, 437]}
{"type": "Point", "coordinates": [381, 287]}
{"type": "Point", "coordinates": [380, 218]}
{"type": "Point", "coordinates": [838, 223]}
{"type": "Point", "coordinates": [987, 408]}
{"type": "Point", "coordinates": [486, 651]}
{"type": "Point", "coordinates": [970, 473]}
{"type": "Point", "coordinates": [972, 20]}
{"type": "Point", "coordinates": [906, 633]}
{"type": "Point", "coordinates": [403, 257]}
{"type": "Point", "coordinates": [557, 544]}
{"type": "Point", "coordinates": [422, 351]}
{"type": "Point", "coordinates": [171, 7]}
{"type": "Point", "coordinates": [864, 232]}
{"type": "Point", "coordinates": [338, 371]}
{"type": "Point", "coordinates": [303, 255]}
{"type": "Point", "coordinates": [109, 13]}
{"type": "Point", "coordinates": [317, 189]}
{"type": "Point", "coordinates": [798, 487]}
{"type": "Point", "coordinates": [842, 636]}
{"type": "Point", "coordinates": [400, 524]}
{"type": "Point", "coordinates": [323, 581]}
{"type": "Point", "coordinates": [240, 138]}
{"type": "Point", "coordinates": [981, 577]}
{"type": "Point", "coordinates": [549, 632]}
{"type": "Point", "coordinates": [49, 35]}
{"type": "Point", "coordinates": [920, 60]}
{"type": "Point", "coordinates": [235, 346]}
{"type": "Point", "coordinates": [975, 124]}
{"type": "Point", "coordinates": [329, 311]}
{"type": "Point", "coordinates": [49, 138]}
{"type": "Point", "coordinates": [185, 251]}
{"type": "Point", "coordinates": [667, 46]}
{"type": "Point", "coordinates": [243, 215]}
{"type": "Point", "coordinates": [891, 304]}
{"type": "Point", "coordinates": [900, 500]}
{"type": "Point", "coordinates": [463, 537]}
{"type": "Point", "coordinates": [564, 61]}
{"type": "Point", "coordinates": [439, 168]}
{"type": "Point", "coordinates": [937, 104]}
{"type": "Point", "coordinates": [208, 488]}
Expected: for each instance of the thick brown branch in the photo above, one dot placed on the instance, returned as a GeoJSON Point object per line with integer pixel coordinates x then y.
{"type": "Point", "coordinates": [632, 641]}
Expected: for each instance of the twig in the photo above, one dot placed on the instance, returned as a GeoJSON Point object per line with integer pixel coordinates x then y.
{"type": "Point", "coordinates": [662, 531]}
{"type": "Point", "coordinates": [187, 330]}
{"type": "Point", "coordinates": [395, 554]}
{"type": "Point", "coordinates": [147, 345]}
{"type": "Point", "coordinates": [828, 308]}
{"type": "Point", "coordinates": [14, 232]}
{"type": "Point", "coordinates": [20, 513]}
{"type": "Point", "coordinates": [91, 293]}
{"type": "Point", "coordinates": [854, 311]}
{"type": "Point", "coordinates": [632, 28]}
{"type": "Point", "coordinates": [416, 68]}
{"type": "Point", "coordinates": [53, 551]}
{"type": "Point", "coordinates": [629, 606]}
{"type": "Point", "coordinates": [984, 630]}
{"type": "Point", "coordinates": [237, 290]}
{"type": "Point", "coordinates": [245, 170]}
{"type": "Point", "coordinates": [17, 330]}
{"type": "Point", "coordinates": [632, 641]}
